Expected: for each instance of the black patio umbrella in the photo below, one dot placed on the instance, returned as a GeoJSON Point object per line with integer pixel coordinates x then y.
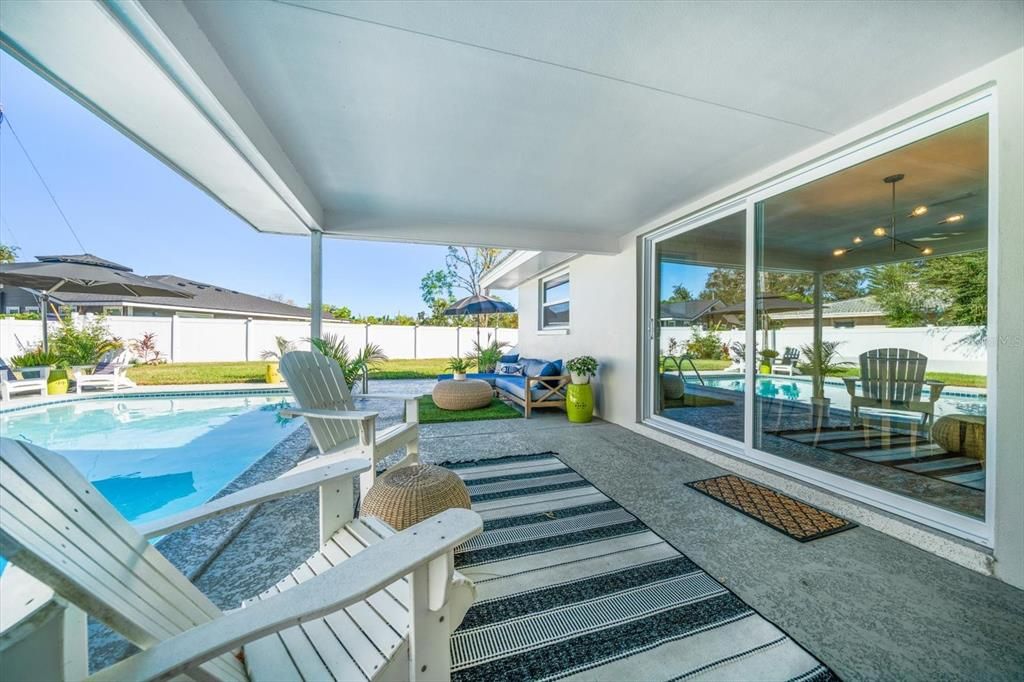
{"type": "Point", "coordinates": [80, 274]}
{"type": "Point", "coordinates": [478, 305]}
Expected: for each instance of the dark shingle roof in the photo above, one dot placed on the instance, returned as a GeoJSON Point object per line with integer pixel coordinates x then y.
{"type": "Point", "coordinates": [686, 311]}
{"type": "Point", "coordinates": [205, 296]}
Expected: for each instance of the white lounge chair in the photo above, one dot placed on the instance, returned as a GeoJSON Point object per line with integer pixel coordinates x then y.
{"type": "Point", "coordinates": [11, 383]}
{"type": "Point", "coordinates": [787, 363]}
{"type": "Point", "coordinates": [370, 604]}
{"type": "Point", "coordinates": [108, 373]}
{"type": "Point", "coordinates": [339, 430]}
{"type": "Point", "coordinates": [892, 379]}
{"type": "Point", "coordinates": [737, 353]}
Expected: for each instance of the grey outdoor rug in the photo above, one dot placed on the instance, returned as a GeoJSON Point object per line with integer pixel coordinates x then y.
{"type": "Point", "coordinates": [572, 586]}
{"type": "Point", "coordinates": [904, 451]}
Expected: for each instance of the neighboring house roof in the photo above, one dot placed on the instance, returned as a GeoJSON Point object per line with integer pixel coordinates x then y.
{"type": "Point", "coordinates": [687, 311]}
{"type": "Point", "coordinates": [206, 298]}
{"type": "Point", "coordinates": [864, 306]}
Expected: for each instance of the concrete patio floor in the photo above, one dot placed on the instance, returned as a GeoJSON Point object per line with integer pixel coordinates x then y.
{"type": "Point", "coordinates": [867, 605]}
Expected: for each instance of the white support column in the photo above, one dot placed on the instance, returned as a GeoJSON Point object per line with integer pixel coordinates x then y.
{"type": "Point", "coordinates": [316, 283]}
{"type": "Point", "coordinates": [817, 312]}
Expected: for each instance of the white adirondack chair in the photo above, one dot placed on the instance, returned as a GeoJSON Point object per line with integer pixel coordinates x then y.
{"type": "Point", "coordinates": [108, 373]}
{"type": "Point", "coordinates": [893, 379]}
{"type": "Point", "coordinates": [339, 430]}
{"type": "Point", "coordinates": [11, 384]}
{"type": "Point", "coordinates": [370, 604]}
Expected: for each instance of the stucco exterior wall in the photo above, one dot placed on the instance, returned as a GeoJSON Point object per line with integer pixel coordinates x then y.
{"type": "Point", "coordinates": [604, 301]}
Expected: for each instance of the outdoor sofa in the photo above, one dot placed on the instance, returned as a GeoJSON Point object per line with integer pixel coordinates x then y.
{"type": "Point", "coordinates": [531, 383]}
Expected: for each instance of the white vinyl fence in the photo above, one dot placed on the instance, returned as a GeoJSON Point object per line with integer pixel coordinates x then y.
{"type": "Point", "coordinates": [191, 339]}
{"type": "Point", "coordinates": [948, 349]}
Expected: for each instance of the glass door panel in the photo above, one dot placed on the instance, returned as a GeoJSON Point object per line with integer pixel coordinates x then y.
{"type": "Point", "coordinates": [699, 332]}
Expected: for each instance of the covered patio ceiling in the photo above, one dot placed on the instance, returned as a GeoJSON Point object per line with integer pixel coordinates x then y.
{"type": "Point", "coordinates": [549, 126]}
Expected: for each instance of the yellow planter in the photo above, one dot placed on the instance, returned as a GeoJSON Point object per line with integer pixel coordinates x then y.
{"type": "Point", "coordinates": [57, 382]}
{"type": "Point", "coordinates": [272, 375]}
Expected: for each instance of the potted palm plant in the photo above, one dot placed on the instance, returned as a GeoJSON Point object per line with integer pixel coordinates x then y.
{"type": "Point", "coordinates": [281, 346]}
{"type": "Point", "coordinates": [44, 364]}
{"type": "Point", "coordinates": [821, 362]}
{"type": "Point", "coordinates": [459, 367]}
{"type": "Point", "coordinates": [353, 365]}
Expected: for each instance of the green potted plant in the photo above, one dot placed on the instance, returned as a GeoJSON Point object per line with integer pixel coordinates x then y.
{"type": "Point", "coordinates": [45, 363]}
{"type": "Point", "coordinates": [768, 356]}
{"type": "Point", "coordinates": [487, 357]}
{"type": "Point", "coordinates": [353, 365]}
{"type": "Point", "coordinates": [579, 396]}
{"type": "Point", "coordinates": [821, 362]}
{"type": "Point", "coordinates": [282, 346]}
{"type": "Point", "coordinates": [459, 367]}
{"type": "Point", "coordinates": [581, 369]}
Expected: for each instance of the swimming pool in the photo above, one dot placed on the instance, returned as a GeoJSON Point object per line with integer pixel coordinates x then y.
{"type": "Point", "coordinates": [155, 456]}
{"type": "Point", "coordinates": [954, 400]}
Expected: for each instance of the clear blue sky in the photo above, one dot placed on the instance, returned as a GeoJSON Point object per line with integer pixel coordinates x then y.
{"type": "Point", "coordinates": [692, 277]}
{"type": "Point", "coordinates": [128, 207]}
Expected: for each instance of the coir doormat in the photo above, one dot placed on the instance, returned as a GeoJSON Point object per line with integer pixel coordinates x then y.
{"type": "Point", "coordinates": [796, 519]}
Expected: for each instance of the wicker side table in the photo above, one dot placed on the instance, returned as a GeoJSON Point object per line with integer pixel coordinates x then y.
{"type": "Point", "coordinates": [405, 496]}
{"type": "Point", "coordinates": [962, 433]}
{"type": "Point", "coordinates": [468, 394]}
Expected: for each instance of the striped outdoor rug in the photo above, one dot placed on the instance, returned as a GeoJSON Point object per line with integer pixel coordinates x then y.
{"type": "Point", "coordinates": [572, 586]}
{"type": "Point", "coordinates": [905, 451]}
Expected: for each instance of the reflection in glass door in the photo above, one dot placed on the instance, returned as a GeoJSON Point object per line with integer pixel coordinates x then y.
{"type": "Point", "coordinates": [872, 315]}
{"type": "Point", "coordinates": [699, 326]}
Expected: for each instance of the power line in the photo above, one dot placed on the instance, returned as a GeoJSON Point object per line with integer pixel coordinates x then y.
{"type": "Point", "coordinates": [6, 118]}
{"type": "Point", "coordinates": [12, 237]}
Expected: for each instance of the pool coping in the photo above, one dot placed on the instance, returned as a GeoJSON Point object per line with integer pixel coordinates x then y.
{"type": "Point", "coordinates": [160, 391]}
{"type": "Point", "coordinates": [958, 392]}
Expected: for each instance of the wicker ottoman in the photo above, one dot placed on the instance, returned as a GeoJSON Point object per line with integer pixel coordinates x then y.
{"type": "Point", "coordinates": [469, 394]}
{"type": "Point", "coordinates": [407, 495]}
{"type": "Point", "coordinates": [962, 433]}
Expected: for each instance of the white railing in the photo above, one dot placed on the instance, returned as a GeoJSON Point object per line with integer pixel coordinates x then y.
{"type": "Point", "coordinates": [190, 339]}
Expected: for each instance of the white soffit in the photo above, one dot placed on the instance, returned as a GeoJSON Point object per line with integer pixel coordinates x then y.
{"type": "Point", "coordinates": [520, 266]}
{"type": "Point", "coordinates": [548, 126]}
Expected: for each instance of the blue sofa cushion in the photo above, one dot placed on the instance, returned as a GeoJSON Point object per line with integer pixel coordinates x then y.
{"type": "Point", "coordinates": [510, 358]}
{"type": "Point", "coordinates": [505, 368]}
{"type": "Point", "coordinates": [483, 376]}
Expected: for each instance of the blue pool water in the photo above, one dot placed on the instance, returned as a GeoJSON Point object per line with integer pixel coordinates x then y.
{"type": "Point", "coordinates": [952, 400]}
{"type": "Point", "coordinates": [152, 457]}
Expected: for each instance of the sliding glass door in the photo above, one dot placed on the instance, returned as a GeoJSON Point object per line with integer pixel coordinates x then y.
{"type": "Point", "coordinates": [835, 325]}
{"type": "Point", "coordinates": [699, 310]}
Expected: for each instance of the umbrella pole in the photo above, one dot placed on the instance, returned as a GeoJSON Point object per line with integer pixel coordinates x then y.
{"type": "Point", "coordinates": [44, 306]}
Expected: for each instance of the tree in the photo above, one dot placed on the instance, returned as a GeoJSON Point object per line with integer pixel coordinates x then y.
{"type": "Point", "coordinates": [961, 283]}
{"type": "Point", "coordinates": [679, 294]}
{"type": "Point", "coordinates": [338, 312]}
{"type": "Point", "coordinates": [895, 288]}
{"type": "Point", "coordinates": [465, 267]}
{"type": "Point", "coordinates": [280, 298]}
{"type": "Point", "coordinates": [8, 254]}
{"type": "Point", "coordinates": [729, 285]}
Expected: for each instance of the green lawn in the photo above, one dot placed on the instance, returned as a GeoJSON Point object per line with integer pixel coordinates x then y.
{"type": "Point", "coordinates": [709, 365]}
{"type": "Point", "coordinates": [949, 378]}
{"type": "Point", "coordinates": [432, 414]}
{"type": "Point", "coordinates": [253, 372]}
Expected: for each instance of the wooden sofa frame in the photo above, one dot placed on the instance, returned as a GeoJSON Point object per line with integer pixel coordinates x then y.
{"type": "Point", "coordinates": [529, 403]}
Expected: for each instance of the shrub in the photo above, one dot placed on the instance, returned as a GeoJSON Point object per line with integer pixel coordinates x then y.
{"type": "Point", "coordinates": [283, 346]}
{"type": "Point", "coordinates": [487, 357]}
{"type": "Point", "coordinates": [706, 345]}
{"type": "Point", "coordinates": [352, 365]}
{"type": "Point", "coordinates": [36, 357]}
{"type": "Point", "coordinates": [85, 345]}
{"type": "Point", "coordinates": [145, 348]}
